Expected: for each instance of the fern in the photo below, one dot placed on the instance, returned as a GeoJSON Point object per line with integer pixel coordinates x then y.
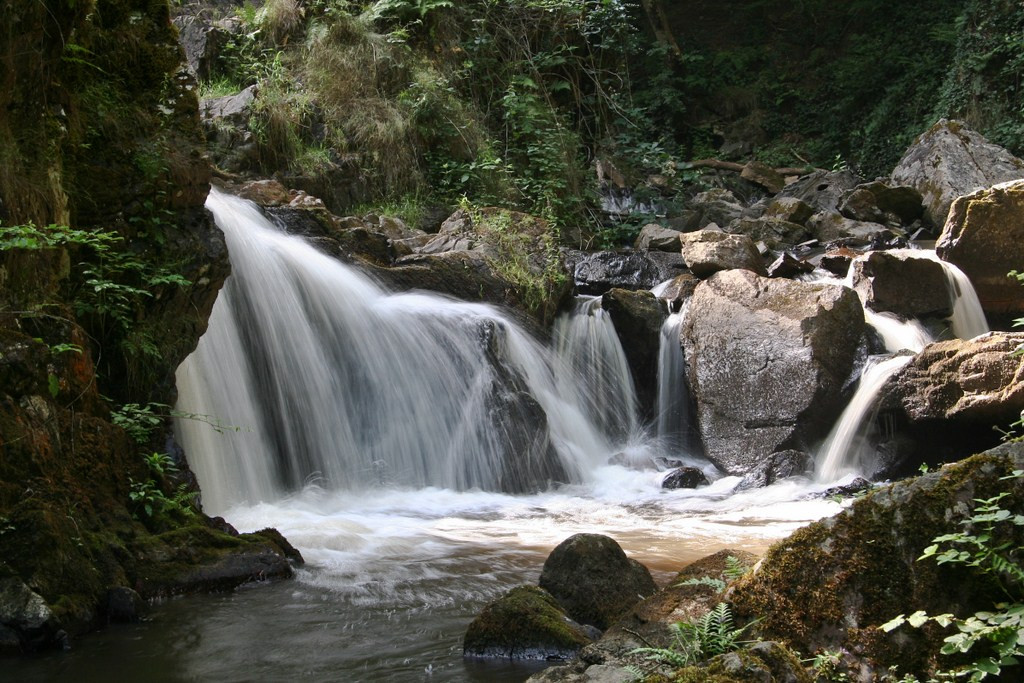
{"type": "Point", "coordinates": [694, 641]}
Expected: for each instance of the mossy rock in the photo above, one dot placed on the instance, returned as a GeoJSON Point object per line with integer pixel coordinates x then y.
{"type": "Point", "coordinates": [764, 662]}
{"type": "Point", "coordinates": [525, 623]}
{"type": "Point", "coordinates": [831, 584]}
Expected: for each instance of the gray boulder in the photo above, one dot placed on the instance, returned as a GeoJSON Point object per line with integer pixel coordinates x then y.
{"type": "Point", "coordinates": [789, 209]}
{"type": "Point", "coordinates": [879, 202]}
{"type": "Point", "coordinates": [708, 251]}
{"type": "Point", "coordinates": [654, 237]}
{"type": "Point", "coordinates": [949, 161]}
{"type": "Point", "coordinates": [779, 465]}
{"type": "Point", "coordinates": [900, 283]}
{"type": "Point", "coordinates": [592, 578]}
{"type": "Point", "coordinates": [768, 363]}
{"type": "Point", "coordinates": [983, 238]}
{"type": "Point", "coordinates": [830, 226]}
{"type": "Point", "coordinates": [945, 402]}
{"type": "Point", "coordinates": [716, 205]}
{"type": "Point", "coordinates": [605, 270]}
{"type": "Point", "coordinates": [684, 478]}
{"type": "Point", "coordinates": [773, 232]}
{"type": "Point", "coordinates": [822, 190]}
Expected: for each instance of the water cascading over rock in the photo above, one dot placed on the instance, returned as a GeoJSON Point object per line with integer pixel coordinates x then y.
{"type": "Point", "coordinates": [315, 374]}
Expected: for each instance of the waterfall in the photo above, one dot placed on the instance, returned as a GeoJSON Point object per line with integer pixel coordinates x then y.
{"type": "Point", "coordinates": [896, 334]}
{"type": "Point", "coordinates": [321, 376]}
{"type": "Point", "coordinates": [673, 418]}
{"type": "Point", "coordinates": [840, 453]}
{"type": "Point", "coordinates": [585, 340]}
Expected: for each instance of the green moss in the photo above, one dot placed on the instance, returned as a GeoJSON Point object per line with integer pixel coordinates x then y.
{"type": "Point", "coordinates": [525, 622]}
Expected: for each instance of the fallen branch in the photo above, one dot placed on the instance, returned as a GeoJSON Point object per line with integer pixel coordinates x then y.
{"type": "Point", "coordinates": [720, 165]}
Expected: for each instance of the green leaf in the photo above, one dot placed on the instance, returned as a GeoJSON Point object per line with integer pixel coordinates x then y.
{"type": "Point", "coordinates": [917, 619]}
{"type": "Point", "coordinates": [53, 385]}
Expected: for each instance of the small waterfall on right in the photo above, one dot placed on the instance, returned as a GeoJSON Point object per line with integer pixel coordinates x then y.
{"type": "Point", "coordinates": [673, 417]}
{"type": "Point", "coordinates": [845, 450]}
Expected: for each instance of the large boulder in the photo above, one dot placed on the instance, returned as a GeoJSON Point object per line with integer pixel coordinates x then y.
{"type": "Point", "coordinates": [592, 578]}
{"type": "Point", "coordinates": [949, 161]}
{"type": "Point", "coordinates": [982, 236]}
{"type": "Point", "coordinates": [901, 282]}
{"type": "Point", "coordinates": [717, 205]}
{"type": "Point", "coordinates": [822, 190]}
{"type": "Point", "coordinates": [774, 233]}
{"type": "Point", "coordinates": [832, 583]}
{"type": "Point", "coordinates": [830, 226]}
{"type": "Point", "coordinates": [946, 401]}
{"type": "Point", "coordinates": [605, 270]}
{"type": "Point", "coordinates": [708, 251]}
{"type": "Point", "coordinates": [654, 237]}
{"type": "Point", "coordinates": [638, 317]}
{"type": "Point", "coordinates": [525, 623]}
{"type": "Point", "coordinates": [879, 202]}
{"type": "Point", "coordinates": [768, 363]}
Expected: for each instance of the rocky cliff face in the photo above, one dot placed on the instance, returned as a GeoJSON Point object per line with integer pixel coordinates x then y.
{"type": "Point", "coordinates": [99, 134]}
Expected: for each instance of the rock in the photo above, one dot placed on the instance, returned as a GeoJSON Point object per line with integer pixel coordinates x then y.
{"type": "Point", "coordinates": [717, 206]}
{"type": "Point", "coordinates": [856, 486]}
{"type": "Point", "coordinates": [837, 260]}
{"type": "Point", "coordinates": [832, 583]}
{"type": "Point", "coordinates": [654, 237]}
{"type": "Point", "coordinates": [677, 290]}
{"type": "Point", "coordinates": [822, 190]}
{"type": "Point", "coordinates": [638, 317]}
{"type": "Point", "coordinates": [684, 478]}
{"type": "Point", "coordinates": [789, 209]}
{"type": "Point", "coordinates": [670, 265]}
{"type": "Point", "coordinates": [879, 202]}
{"type": "Point", "coordinates": [605, 270]}
{"type": "Point", "coordinates": [265, 192]}
{"type": "Point", "coordinates": [789, 266]}
{"type": "Point", "coordinates": [124, 605]}
{"type": "Point", "coordinates": [949, 161]}
{"type": "Point", "coordinates": [946, 400]}
{"type": "Point", "coordinates": [231, 109]}
{"type": "Point", "coordinates": [763, 175]}
{"type": "Point", "coordinates": [778, 465]}
{"type": "Point", "coordinates": [26, 620]}
{"type": "Point", "coordinates": [774, 233]}
{"type": "Point", "coordinates": [829, 226]}
{"type": "Point", "coordinates": [709, 251]}
{"type": "Point", "coordinates": [590, 576]}
{"type": "Point", "coordinates": [525, 623]}
{"type": "Point", "coordinates": [983, 238]}
{"type": "Point", "coordinates": [902, 283]}
{"type": "Point", "coordinates": [768, 362]}
{"type": "Point", "coordinates": [202, 42]}
{"type": "Point", "coordinates": [277, 539]}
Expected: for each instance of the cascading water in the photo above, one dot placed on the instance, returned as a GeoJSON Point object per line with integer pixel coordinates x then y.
{"type": "Point", "coordinates": [586, 341]}
{"type": "Point", "coordinates": [673, 418]}
{"type": "Point", "coordinates": [329, 378]}
{"type": "Point", "coordinates": [844, 451]}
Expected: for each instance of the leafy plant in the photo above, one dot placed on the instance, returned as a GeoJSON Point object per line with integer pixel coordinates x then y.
{"type": "Point", "coordinates": [695, 641]}
{"type": "Point", "coordinates": [156, 505]}
{"type": "Point", "coordinates": [140, 421]}
{"type": "Point", "coordinates": [994, 637]}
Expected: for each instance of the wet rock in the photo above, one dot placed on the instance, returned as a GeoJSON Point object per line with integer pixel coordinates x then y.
{"type": "Point", "coordinates": [657, 238]}
{"type": "Point", "coordinates": [901, 283]}
{"type": "Point", "coordinates": [277, 539]}
{"type": "Point", "coordinates": [949, 161]}
{"type": "Point", "coordinates": [600, 272]}
{"type": "Point", "coordinates": [822, 190]}
{"type": "Point", "coordinates": [684, 478]}
{"type": "Point", "coordinates": [830, 584]}
{"type": "Point", "coordinates": [670, 264]}
{"type": "Point", "coordinates": [946, 400]}
{"type": "Point", "coordinates": [124, 606]}
{"type": "Point", "coordinates": [768, 362]}
{"type": "Point", "coordinates": [525, 623]}
{"type": "Point", "coordinates": [837, 261]}
{"type": "Point", "coordinates": [789, 266]}
{"type": "Point", "coordinates": [592, 578]}
{"type": "Point", "coordinates": [708, 251]}
{"type": "Point", "coordinates": [265, 192]}
{"type": "Point", "coordinates": [776, 466]}
{"type": "Point", "coordinates": [789, 209]}
{"type": "Point", "coordinates": [638, 317]}
{"type": "Point", "coordinates": [678, 290]}
{"type": "Point", "coordinates": [27, 621]}
{"type": "Point", "coordinates": [983, 238]}
{"type": "Point", "coordinates": [858, 485]}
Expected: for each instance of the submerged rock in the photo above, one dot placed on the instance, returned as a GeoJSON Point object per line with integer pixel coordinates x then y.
{"type": "Point", "coordinates": [685, 478]}
{"type": "Point", "coordinates": [982, 236]}
{"type": "Point", "coordinates": [949, 161]}
{"type": "Point", "coordinates": [591, 577]}
{"type": "Point", "coordinates": [525, 623]}
{"type": "Point", "coordinates": [768, 363]}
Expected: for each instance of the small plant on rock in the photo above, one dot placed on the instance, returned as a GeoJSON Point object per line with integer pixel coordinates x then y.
{"type": "Point", "coordinates": [695, 641]}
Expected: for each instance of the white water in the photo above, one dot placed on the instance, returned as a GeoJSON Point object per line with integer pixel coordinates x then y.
{"type": "Point", "coordinates": [673, 419]}
{"type": "Point", "coordinates": [368, 429]}
{"type": "Point", "coordinates": [586, 342]}
{"type": "Point", "coordinates": [841, 453]}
